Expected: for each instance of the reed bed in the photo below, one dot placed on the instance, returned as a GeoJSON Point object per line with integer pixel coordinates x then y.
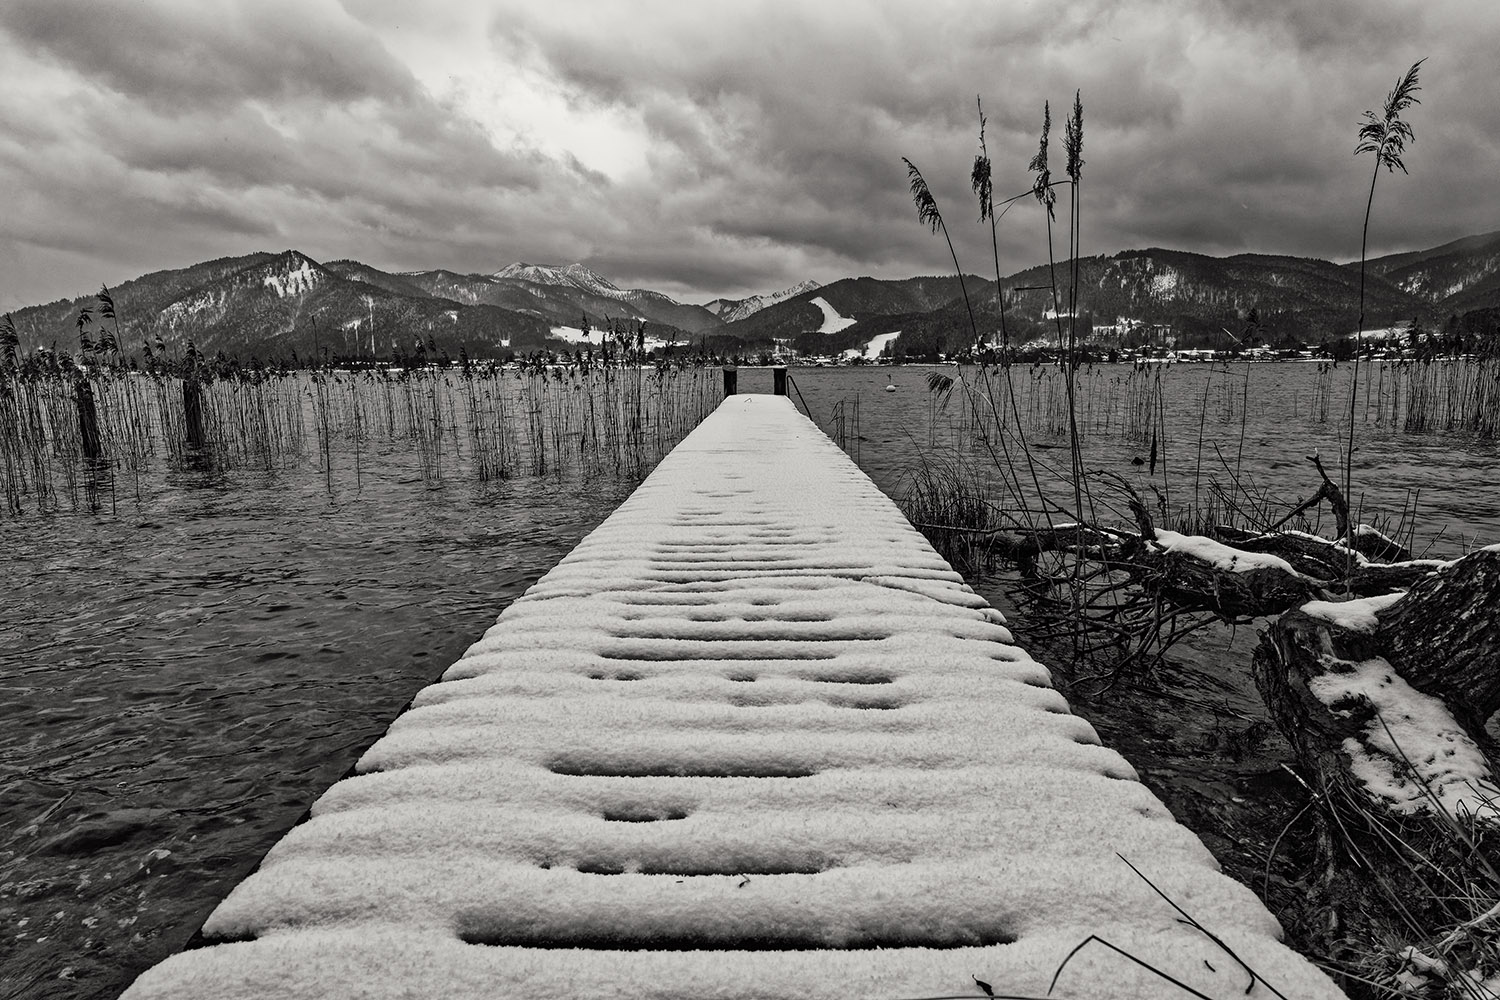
{"type": "Point", "coordinates": [1450, 395]}
{"type": "Point", "coordinates": [1126, 413]}
{"type": "Point", "coordinates": [1111, 403]}
{"type": "Point", "coordinates": [76, 438]}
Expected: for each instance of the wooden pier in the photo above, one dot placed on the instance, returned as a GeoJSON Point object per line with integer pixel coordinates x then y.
{"type": "Point", "coordinates": [751, 738]}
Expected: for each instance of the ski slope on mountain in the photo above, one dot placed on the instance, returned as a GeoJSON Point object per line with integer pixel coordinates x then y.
{"type": "Point", "coordinates": [832, 321]}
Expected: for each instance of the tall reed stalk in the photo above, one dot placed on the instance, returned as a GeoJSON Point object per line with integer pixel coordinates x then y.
{"type": "Point", "coordinates": [1385, 136]}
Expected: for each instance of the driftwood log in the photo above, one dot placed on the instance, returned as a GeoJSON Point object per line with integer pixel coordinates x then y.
{"type": "Point", "coordinates": [1374, 854]}
{"type": "Point", "coordinates": [1320, 566]}
{"type": "Point", "coordinates": [1192, 584]}
{"type": "Point", "coordinates": [1444, 637]}
{"type": "Point", "coordinates": [1287, 658]}
{"type": "Point", "coordinates": [1290, 655]}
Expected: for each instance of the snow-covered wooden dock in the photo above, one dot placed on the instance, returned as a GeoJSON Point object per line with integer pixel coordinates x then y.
{"type": "Point", "coordinates": [751, 738]}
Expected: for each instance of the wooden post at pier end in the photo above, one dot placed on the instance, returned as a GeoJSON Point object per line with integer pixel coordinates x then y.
{"type": "Point", "coordinates": [192, 412]}
{"type": "Point", "coordinates": [778, 375]}
{"type": "Point", "coordinates": [731, 380]}
{"type": "Point", "coordinates": [88, 418]}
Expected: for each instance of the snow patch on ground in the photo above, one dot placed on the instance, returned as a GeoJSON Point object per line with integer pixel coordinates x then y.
{"type": "Point", "coordinates": [184, 309]}
{"type": "Point", "coordinates": [1413, 742]}
{"type": "Point", "coordinates": [294, 281]}
{"type": "Point", "coordinates": [832, 321]}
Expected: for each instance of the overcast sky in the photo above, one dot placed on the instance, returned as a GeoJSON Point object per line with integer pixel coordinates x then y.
{"type": "Point", "coordinates": [708, 148]}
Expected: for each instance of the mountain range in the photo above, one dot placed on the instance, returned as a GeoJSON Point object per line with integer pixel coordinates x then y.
{"type": "Point", "coordinates": [274, 304]}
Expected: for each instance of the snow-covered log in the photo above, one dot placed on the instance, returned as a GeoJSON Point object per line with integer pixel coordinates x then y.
{"type": "Point", "coordinates": [1396, 779]}
{"type": "Point", "coordinates": [1394, 690]}
{"type": "Point", "coordinates": [1196, 572]}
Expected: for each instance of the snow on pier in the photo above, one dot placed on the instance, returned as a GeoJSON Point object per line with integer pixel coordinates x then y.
{"type": "Point", "coordinates": [751, 738]}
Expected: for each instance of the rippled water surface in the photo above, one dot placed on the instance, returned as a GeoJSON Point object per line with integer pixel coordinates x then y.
{"type": "Point", "coordinates": [179, 682]}
{"type": "Point", "coordinates": [181, 677]}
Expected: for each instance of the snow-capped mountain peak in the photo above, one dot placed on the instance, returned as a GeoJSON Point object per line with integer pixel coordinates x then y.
{"type": "Point", "coordinates": [730, 310]}
{"type": "Point", "coordinates": [575, 275]}
{"type": "Point", "coordinates": [292, 273]}
{"type": "Point", "coordinates": [584, 278]}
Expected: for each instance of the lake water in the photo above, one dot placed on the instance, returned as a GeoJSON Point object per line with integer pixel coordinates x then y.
{"type": "Point", "coordinates": [181, 676]}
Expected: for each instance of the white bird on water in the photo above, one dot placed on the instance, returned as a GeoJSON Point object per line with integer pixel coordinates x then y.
{"type": "Point", "coordinates": [889, 385]}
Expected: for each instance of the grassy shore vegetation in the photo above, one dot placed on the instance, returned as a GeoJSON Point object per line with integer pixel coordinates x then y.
{"type": "Point", "coordinates": [1110, 571]}
{"type": "Point", "coordinates": [89, 430]}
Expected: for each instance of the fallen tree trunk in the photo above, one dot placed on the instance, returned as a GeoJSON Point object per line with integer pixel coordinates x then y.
{"type": "Point", "coordinates": [1292, 657]}
{"type": "Point", "coordinates": [1444, 637]}
{"type": "Point", "coordinates": [1104, 576]}
{"type": "Point", "coordinates": [1401, 783]}
{"type": "Point", "coordinates": [1306, 566]}
{"type": "Point", "coordinates": [1192, 583]}
{"type": "Point", "coordinates": [1326, 667]}
{"type": "Point", "coordinates": [1329, 560]}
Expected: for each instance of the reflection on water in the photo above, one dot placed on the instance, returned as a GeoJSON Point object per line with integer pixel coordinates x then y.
{"type": "Point", "coordinates": [181, 676]}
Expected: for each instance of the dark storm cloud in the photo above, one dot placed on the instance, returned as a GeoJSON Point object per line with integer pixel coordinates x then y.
{"type": "Point", "coordinates": [787, 125]}
{"type": "Point", "coordinates": [1218, 127]}
{"type": "Point", "coordinates": [1376, 28]}
{"type": "Point", "coordinates": [209, 53]}
{"type": "Point", "coordinates": [765, 137]}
